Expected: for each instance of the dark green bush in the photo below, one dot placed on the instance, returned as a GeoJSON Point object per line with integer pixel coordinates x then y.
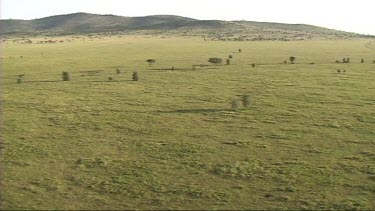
{"type": "Point", "coordinates": [215, 60]}
{"type": "Point", "coordinates": [150, 61]}
{"type": "Point", "coordinates": [66, 76]}
{"type": "Point", "coordinates": [135, 76]}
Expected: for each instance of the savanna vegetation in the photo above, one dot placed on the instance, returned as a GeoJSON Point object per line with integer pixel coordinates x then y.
{"type": "Point", "coordinates": [88, 124]}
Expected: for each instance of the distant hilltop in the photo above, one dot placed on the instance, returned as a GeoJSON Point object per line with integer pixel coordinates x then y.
{"type": "Point", "coordinates": [83, 23]}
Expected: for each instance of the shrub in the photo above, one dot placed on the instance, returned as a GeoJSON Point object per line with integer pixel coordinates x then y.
{"type": "Point", "coordinates": [118, 71]}
{"type": "Point", "coordinates": [66, 76]}
{"type": "Point", "coordinates": [19, 80]}
{"type": "Point", "coordinates": [110, 79]}
{"type": "Point", "coordinates": [373, 61]}
{"type": "Point", "coordinates": [172, 68]}
{"type": "Point", "coordinates": [339, 71]}
{"type": "Point", "coordinates": [135, 76]}
{"type": "Point", "coordinates": [230, 56]}
{"type": "Point", "coordinates": [150, 61]}
{"type": "Point", "coordinates": [215, 60]}
{"type": "Point", "coordinates": [235, 105]}
{"type": "Point", "coordinates": [285, 62]}
{"type": "Point", "coordinates": [240, 50]}
{"type": "Point", "coordinates": [246, 101]}
{"type": "Point", "coordinates": [362, 60]}
{"type": "Point", "coordinates": [253, 65]}
{"type": "Point", "coordinates": [228, 62]}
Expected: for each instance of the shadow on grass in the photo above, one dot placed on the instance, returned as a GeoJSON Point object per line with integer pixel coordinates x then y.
{"type": "Point", "coordinates": [114, 81]}
{"type": "Point", "coordinates": [193, 111]}
{"type": "Point", "coordinates": [47, 81]}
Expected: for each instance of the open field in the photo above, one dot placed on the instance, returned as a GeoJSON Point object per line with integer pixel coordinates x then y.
{"type": "Point", "coordinates": [171, 140]}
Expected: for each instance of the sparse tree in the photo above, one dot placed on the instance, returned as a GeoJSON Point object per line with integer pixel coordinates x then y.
{"type": "Point", "coordinates": [135, 76]}
{"type": "Point", "coordinates": [66, 76]}
{"type": "Point", "coordinates": [150, 61]}
{"type": "Point", "coordinates": [292, 59]}
{"type": "Point", "coordinates": [215, 60]}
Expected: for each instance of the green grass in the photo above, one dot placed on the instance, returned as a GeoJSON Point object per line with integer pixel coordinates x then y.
{"type": "Point", "coordinates": [171, 140]}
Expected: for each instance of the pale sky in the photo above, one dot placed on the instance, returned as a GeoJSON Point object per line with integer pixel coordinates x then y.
{"type": "Point", "coordinates": [347, 15]}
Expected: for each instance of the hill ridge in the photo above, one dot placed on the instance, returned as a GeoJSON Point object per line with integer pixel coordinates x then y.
{"type": "Point", "coordinates": [81, 22]}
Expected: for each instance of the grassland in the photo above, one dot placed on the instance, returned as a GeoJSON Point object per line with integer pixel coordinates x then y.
{"type": "Point", "coordinates": [171, 141]}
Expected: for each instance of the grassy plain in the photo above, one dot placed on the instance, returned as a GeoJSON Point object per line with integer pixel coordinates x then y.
{"type": "Point", "coordinates": [170, 140]}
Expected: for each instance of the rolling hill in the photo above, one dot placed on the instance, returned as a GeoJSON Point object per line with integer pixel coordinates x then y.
{"type": "Point", "coordinates": [79, 23]}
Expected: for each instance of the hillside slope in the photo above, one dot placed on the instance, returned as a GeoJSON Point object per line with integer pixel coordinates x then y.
{"type": "Point", "coordinates": [214, 29]}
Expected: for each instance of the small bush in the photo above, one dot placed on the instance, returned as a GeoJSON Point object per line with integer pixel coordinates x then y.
{"type": "Point", "coordinates": [240, 50]}
{"type": "Point", "coordinates": [135, 76]}
{"type": "Point", "coordinates": [172, 68]}
{"type": "Point", "coordinates": [118, 71]}
{"type": "Point", "coordinates": [339, 71]}
{"type": "Point", "coordinates": [253, 65]}
{"type": "Point", "coordinates": [215, 60]}
{"type": "Point", "coordinates": [230, 56]}
{"type": "Point", "coordinates": [362, 60]}
{"type": "Point", "coordinates": [19, 80]}
{"type": "Point", "coordinates": [285, 62]}
{"type": "Point", "coordinates": [110, 79]}
{"type": "Point", "coordinates": [235, 105]}
{"type": "Point", "coordinates": [246, 102]}
{"type": "Point", "coordinates": [373, 61]}
{"type": "Point", "coordinates": [228, 62]}
{"type": "Point", "coordinates": [150, 61]}
{"type": "Point", "coordinates": [66, 76]}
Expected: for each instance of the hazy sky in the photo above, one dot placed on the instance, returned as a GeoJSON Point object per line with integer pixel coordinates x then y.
{"type": "Point", "coordinates": [348, 15]}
